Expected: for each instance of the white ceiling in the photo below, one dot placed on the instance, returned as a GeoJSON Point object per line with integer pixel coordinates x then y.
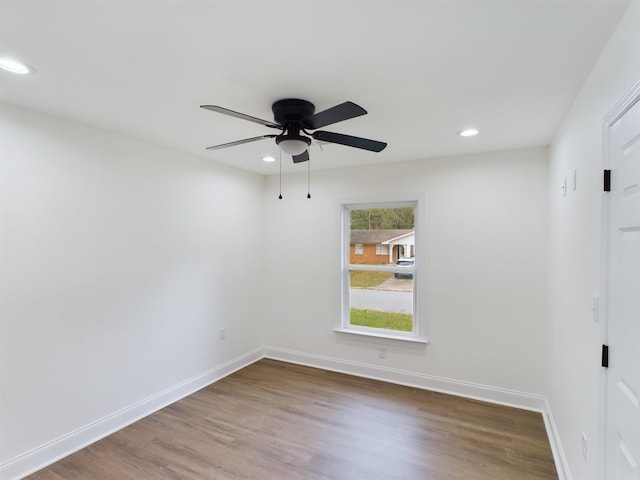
{"type": "Point", "coordinates": [422, 69]}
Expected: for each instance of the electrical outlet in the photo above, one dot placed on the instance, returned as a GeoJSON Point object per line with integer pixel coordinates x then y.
{"type": "Point", "coordinates": [574, 179]}
{"type": "Point", "coordinates": [223, 334]}
{"type": "Point", "coordinates": [382, 353]}
{"type": "Point", "coordinates": [585, 447]}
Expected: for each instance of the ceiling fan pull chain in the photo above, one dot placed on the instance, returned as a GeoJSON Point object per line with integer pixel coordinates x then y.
{"type": "Point", "coordinates": [280, 196]}
{"type": "Point", "coordinates": [309, 178]}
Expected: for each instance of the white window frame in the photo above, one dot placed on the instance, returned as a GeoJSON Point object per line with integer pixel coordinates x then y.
{"type": "Point", "coordinates": [358, 248]}
{"type": "Point", "coordinates": [418, 203]}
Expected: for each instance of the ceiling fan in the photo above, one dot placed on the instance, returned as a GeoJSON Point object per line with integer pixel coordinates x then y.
{"type": "Point", "coordinates": [295, 117]}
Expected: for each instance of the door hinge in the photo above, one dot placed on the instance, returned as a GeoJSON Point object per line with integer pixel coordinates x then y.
{"type": "Point", "coordinates": [605, 356]}
{"type": "Point", "coordinates": [607, 181]}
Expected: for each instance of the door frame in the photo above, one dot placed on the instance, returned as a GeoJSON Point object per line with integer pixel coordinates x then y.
{"type": "Point", "coordinates": [622, 106]}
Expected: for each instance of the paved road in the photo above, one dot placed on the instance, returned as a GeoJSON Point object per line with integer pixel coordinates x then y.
{"type": "Point", "coordinates": [384, 300]}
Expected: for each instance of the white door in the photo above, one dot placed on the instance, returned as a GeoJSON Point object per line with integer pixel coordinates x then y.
{"type": "Point", "coordinates": [622, 292]}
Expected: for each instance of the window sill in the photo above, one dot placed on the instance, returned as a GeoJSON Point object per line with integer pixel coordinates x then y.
{"type": "Point", "coordinates": [385, 336]}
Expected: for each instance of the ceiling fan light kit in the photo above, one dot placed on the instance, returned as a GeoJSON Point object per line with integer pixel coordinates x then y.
{"type": "Point", "coordinates": [293, 116]}
{"type": "Point", "coordinates": [293, 145]}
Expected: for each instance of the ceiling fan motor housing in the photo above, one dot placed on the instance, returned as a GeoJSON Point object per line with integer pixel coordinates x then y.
{"type": "Point", "coordinates": [292, 111]}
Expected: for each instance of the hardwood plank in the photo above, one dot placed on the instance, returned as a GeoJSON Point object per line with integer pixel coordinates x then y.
{"type": "Point", "coordinates": [274, 420]}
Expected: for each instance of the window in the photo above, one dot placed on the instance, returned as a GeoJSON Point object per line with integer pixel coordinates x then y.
{"type": "Point", "coordinates": [382, 249]}
{"type": "Point", "coordinates": [358, 249]}
{"type": "Point", "coordinates": [378, 295]}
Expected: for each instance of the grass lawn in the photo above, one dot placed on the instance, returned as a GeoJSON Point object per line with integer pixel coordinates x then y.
{"type": "Point", "coordinates": [376, 319]}
{"type": "Point", "coordinates": [364, 279]}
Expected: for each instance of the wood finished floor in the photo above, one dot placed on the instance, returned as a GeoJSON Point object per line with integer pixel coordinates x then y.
{"type": "Point", "coordinates": [273, 420]}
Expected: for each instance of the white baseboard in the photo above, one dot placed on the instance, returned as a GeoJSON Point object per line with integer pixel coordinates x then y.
{"type": "Point", "coordinates": [511, 398]}
{"type": "Point", "coordinates": [54, 450]}
{"type": "Point", "coordinates": [560, 459]}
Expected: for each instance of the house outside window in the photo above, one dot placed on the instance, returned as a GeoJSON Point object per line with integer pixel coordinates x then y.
{"type": "Point", "coordinates": [381, 246]}
{"type": "Point", "coordinates": [378, 286]}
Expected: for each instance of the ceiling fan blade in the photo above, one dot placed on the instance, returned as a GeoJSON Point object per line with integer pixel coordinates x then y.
{"type": "Point", "coordinates": [303, 157]}
{"type": "Point", "coordinates": [242, 116]}
{"type": "Point", "coordinates": [349, 141]}
{"type": "Point", "coordinates": [336, 114]}
{"type": "Point", "coordinates": [240, 142]}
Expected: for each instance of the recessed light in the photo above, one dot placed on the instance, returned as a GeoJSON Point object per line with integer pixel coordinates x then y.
{"type": "Point", "coordinates": [468, 132]}
{"type": "Point", "coordinates": [268, 159]}
{"type": "Point", "coordinates": [15, 66]}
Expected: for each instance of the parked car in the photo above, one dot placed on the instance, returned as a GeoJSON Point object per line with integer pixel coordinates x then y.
{"type": "Point", "coordinates": [405, 262]}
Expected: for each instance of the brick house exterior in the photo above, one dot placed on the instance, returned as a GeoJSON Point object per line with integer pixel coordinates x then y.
{"type": "Point", "coordinates": [377, 247]}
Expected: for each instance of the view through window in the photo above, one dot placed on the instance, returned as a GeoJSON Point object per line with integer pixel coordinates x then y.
{"type": "Point", "coordinates": [379, 268]}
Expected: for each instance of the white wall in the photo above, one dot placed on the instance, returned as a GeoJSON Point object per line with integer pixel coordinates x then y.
{"type": "Point", "coordinates": [486, 247]}
{"type": "Point", "coordinates": [120, 262]}
{"type": "Point", "coordinates": [574, 258]}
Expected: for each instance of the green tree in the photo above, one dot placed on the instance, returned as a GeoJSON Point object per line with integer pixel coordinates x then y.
{"type": "Point", "coordinates": [382, 218]}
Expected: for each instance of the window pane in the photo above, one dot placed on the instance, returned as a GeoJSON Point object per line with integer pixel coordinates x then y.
{"type": "Point", "coordinates": [380, 300]}
{"type": "Point", "coordinates": [381, 236]}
